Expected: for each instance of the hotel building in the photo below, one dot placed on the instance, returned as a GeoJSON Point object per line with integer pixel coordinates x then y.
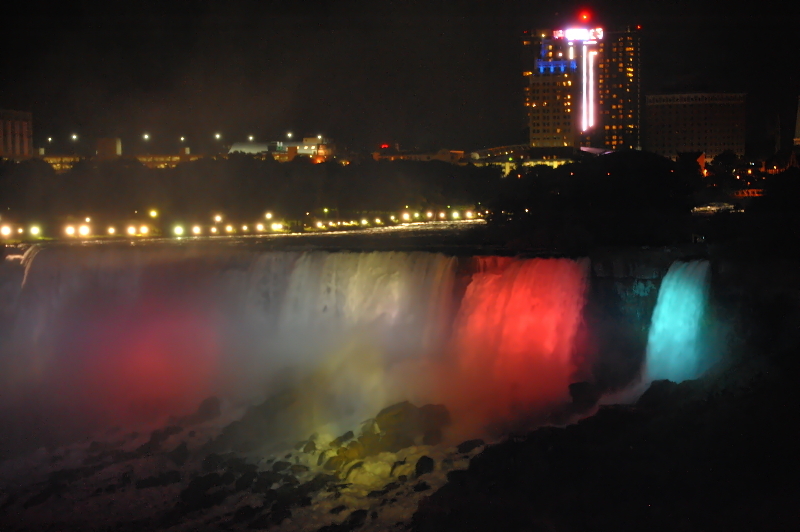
{"type": "Point", "coordinates": [16, 135]}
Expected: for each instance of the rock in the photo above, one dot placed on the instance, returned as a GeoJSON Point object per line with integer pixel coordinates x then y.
{"type": "Point", "coordinates": [296, 469]}
{"type": "Point", "coordinates": [395, 465]}
{"type": "Point", "coordinates": [584, 395]}
{"type": "Point", "coordinates": [265, 480]}
{"type": "Point", "coordinates": [469, 445]}
{"type": "Point", "coordinates": [666, 395]}
{"type": "Point", "coordinates": [245, 513]}
{"type": "Point", "coordinates": [280, 466]}
{"type": "Point", "coordinates": [338, 442]}
{"type": "Point", "coordinates": [421, 486]}
{"type": "Point", "coordinates": [212, 462]}
{"type": "Point", "coordinates": [353, 451]}
{"type": "Point", "coordinates": [432, 437]}
{"type": "Point", "coordinates": [353, 521]}
{"type": "Point", "coordinates": [424, 465]}
{"type": "Point", "coordinates": [179, 454]}
{"type": "Point", "coordinates": [339, 509]}
{"type": "Point", "coordinates": [170, 477]}
{"type": "Point", "coordinates": [196, 496]}
{"type": "Point", "coordinates": [433, 417]}
{"type": "Point", "coordinates": [228, 478]}
{"type": "Point", "coordinates": [335, 463]}
{"type": "Point", "coordinates": [357, 465]}
{"type": "Point", "coordinates": [310, 447]}
{"type": "Point", "coordinates": [246, 481]}
{"type": "Point", "coordinates": [157, 437]}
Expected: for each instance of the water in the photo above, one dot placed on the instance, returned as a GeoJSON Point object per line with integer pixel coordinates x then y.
{"type": "Point", "coordinates": [101, 336]}
{"type": "Point", "coordinates": [676, 347]}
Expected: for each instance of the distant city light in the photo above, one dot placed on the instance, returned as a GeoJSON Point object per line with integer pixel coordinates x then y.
{"type": "Point", "coordinates": [429, 214]}
{"type": "Point", "coordinates": [20, 230]}
{"type": "Point", "coordinates": [35, 230]}
{"type": "Point", "coordinates": [250, 138]}
{"type": "Point", "coordinates": [268, 216]}
{"type": "Point", "coordinates": [229, 228]}
{"type": "Point", "coordinates": [74, 136]}
{"type": "Point", "coordinates": [442, 215]}
{"type": "Point", "coordinates": [319, 137]}
{"type": "Point", "coordinates": [392, 217]}
{"type": "Point", "coordinates": [144, 229]}
{"type": "Point", "coordinates": [277, 226]}
{"type": "Point", "coordinates": [217, 136]}
{"type": "Point", "coordinates": [377, 220]}
{"type": "Point", "coordinates": [455, 215]}
{"type": "Point", "coordinates": [49, 139]}
{"type": "Point", "coordinates": [146, 136]}
{"type": "Point", "coordinates": [196, 229]}
{"type": "Point", "coordinates": [213, 229]}
{"type": "Point", "coordinates": [153, 213]}
{"type": "Point", "coordinates": [469, 214]}
{"type": "Point", "coordinates": [178, 230]}
{"type": "Point", "coordinates": [321, 225]}
{"type": "Point", "coordinates": [131, 230]}
{"type": "Point", "coordinates": [325, 210]}
{"type": "Point", "coordinates": [416, 215]}
{"type": "Point", "coordinates": [289, 135]}
{"type": "Point", "coordinates": [88, 219]}
{"type": "Point", "coordinates": [111, 230]}
{"type": "Point", "coordinates": [218, 218]}
{"type": "Point", "coordinates": [69, 230]}
{"type": "Point", "coordinates": [6, 230]}
{"type": "Point", "coordinates": [83, 230]}
{"type": "Point", "coordinates": [183, 139]}
{"type": "Point", "coordinates": [406, 216]}
{"type": "Point", "coordinates": [244, 228]}
{"type": "Point", "coordinates": [260, 227]}
{"type": "Point", "coordinates": [364, 222]}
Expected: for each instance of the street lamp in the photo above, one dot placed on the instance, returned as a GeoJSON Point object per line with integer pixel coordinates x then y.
{"type": "Point", "coordinates": [74, 136]}
{"type": "Point", "coordinates": [183, 139]}
{"type": "Point", "coordinates": [289, 135]}
{"type": "Point", "coordinates": [250, 138]}
{"type": "Point", "coordinates": [217, 136]}
{"type": "Point", "coordinates": [49, 139]}
{"type": "Point", "coordinates": [146, 136]}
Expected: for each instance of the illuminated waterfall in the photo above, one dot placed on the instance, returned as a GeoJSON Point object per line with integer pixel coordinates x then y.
{"type": "Point", "coordinates": [676, 349]}
{"type": "Point", "coordinates": [514, 334]}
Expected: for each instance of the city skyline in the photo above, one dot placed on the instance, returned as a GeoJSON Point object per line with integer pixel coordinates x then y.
{"type": "Point", "coordinates": [422, 75]}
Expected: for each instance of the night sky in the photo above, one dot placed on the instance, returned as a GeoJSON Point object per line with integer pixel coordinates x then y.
{"type": "Point", "coordinates": [424, 74]}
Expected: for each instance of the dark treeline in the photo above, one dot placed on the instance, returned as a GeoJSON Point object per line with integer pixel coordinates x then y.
{"type": "Point", "coordinates": [241, 186]}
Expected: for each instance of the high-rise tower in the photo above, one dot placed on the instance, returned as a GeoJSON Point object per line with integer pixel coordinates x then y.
{"type": "Point", "coordinates": [583, 87]}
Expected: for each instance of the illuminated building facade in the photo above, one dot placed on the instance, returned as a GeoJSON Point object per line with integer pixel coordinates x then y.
{"type": "Point", "coordinates": [698, 122]}
{"type": "Point", "coordinates": [583, 87]}
{"type": "Point", "coordinates": [16, 135]}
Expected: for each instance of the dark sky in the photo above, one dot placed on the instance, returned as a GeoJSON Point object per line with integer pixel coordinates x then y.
{"type": "Point", "coordinates": [426, 74]}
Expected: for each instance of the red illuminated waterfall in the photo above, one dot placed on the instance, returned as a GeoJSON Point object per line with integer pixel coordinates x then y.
{"type": "Point", "coordinates": [514, 335]}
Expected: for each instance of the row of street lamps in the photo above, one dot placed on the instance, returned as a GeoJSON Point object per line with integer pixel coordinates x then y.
{"type": "Point", "coordinates": [146, 136]}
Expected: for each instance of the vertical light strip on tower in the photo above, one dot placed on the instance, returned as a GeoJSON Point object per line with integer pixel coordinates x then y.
{"type": "Point", "coordinates": [584, 93]}
{"type": "Point", "coordinates": [591, 88]}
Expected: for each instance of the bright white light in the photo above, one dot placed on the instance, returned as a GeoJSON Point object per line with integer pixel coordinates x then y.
{"type": "Point", "coordinates": [88, 219]}
{"type": "Point", "coordinates": [217, 136]}
{"type": "Point", "coordinates": [319, 137]}
{"type": "Point", "coordinates": [429, 214]}
{"type": "Point", "coordinates": [377, 220]}
{"type": "Point", "coordinates": [392, 217]}
{"type": "Point", "coordinates": [111, 230]}
{"type": "Point", "coordinates": [260, 227]}
{"type": "Point", "coordinates": [250, 138]}
{"type": "Point", "coordinates": [6, 230]}
{"type": "Point", "coordinates": [146, 136]}
{"type": "Point", "coordinates": [196, 229]}
{"type": "Point", "coordinates": [416, 215]}
{"type": "Point", "coordinates": [144, 229]}
{"type": "Point", "coordinates": [35, 230]}
{"type": "Point", "coordinates": [572, 52]}
{"type": "Point", "coordinates": [153, 213]}
{"type": "Point", "coordinates": [183, 139]}
{"type": "Point", "coordinates": [277, 226]}
{"type": "Point", "coordinates": [69, 230]}
{"type": "Point", "coordinates": [83, 230]}
{"type": "Point", "coordinates": [244, 228]}
{"type": "Point", "coordinates": [218, 218]}
{"type": "Point", "coordinates": [213, 229]}
{"type": "Point", "coordinates": [229, 228]}
{"type": "Point", "coordinates": [131, 230]}
{"type": "Point", "coordinates": [74, 136]}
{"type": "Point", "coordinates": [469, 214]}
{"type": "Point", "coordinates": [455, 215]}
{"type": "Point", "coordinates": [20, 230]}
{"type": "Point", "coordinates": [321, 225]}
{"type": "Point", "coordinates": [591, 88]}
{"type": "Point", "coordinates": [442, 215]}
{"type": "Point", "coordinates": [268, 216]}
{"type": "Point", "coordinates": [364, 222]}
{"type": "Point", "coordinates": [584, 91]}
{"type": "Point", "coordinates": [289, 135]}
{"type": "Point", "coordinates": [406, 216]}
{"type": "Point", "coordinates": [49, 139]}
{"type": "Point", "coordinates": [178, 230]}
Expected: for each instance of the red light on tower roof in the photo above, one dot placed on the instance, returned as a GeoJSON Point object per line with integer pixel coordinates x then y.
{"type": "Point", "coordinates": [584, 16]}
{"type": "Point", "coordinates": [384, 146]}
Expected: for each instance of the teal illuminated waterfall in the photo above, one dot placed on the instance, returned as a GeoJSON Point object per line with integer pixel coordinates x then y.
{"type": "Point", "coordinates": [676, 349]}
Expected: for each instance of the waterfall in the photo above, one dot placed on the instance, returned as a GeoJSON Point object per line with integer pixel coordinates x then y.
{"type": "Point", "coordinates": [676, 349]}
